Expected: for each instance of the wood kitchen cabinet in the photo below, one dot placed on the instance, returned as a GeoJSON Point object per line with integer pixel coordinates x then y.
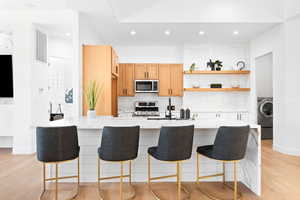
{"type": "Point", "coordinates": [170, 79]}
{"type": "Point", "coordinates": [146, 71]}
{"type": "Point", "coordinates": [100, 65]}
{"type": "Point", "coordinates": [115, 63]}
{"type": "Point", "coordinates": [126, 80]}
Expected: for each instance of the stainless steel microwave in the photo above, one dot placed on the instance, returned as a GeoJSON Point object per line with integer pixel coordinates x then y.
{"type": "Point", "coordinates": [144, 86]}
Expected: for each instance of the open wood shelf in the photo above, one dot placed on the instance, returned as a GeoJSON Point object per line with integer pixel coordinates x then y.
{"type": "Point", "coordinates": [218, 72]}
{"type": "Point", "coordinates": [216, 89]}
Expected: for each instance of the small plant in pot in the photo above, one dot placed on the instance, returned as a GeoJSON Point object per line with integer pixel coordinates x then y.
{"type": "Point", "coordinates": [192, 67]}
{"type": "Point", "coordinates": [218, 65]}
{"type": "Point", "coordinates": [92, 96]}
{"type": "Point", "coordinates": [211, 65]}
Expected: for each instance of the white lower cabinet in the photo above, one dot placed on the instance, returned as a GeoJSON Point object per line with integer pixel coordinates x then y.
{"type": "Point", "coordinates": [231, 116]}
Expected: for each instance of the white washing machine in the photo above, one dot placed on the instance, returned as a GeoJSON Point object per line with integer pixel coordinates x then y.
{"type": "Point", "coordinates": [265, 116]}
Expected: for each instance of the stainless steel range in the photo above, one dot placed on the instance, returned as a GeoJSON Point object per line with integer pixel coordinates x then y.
{"type": "Point", "coordinates": [146, 108]}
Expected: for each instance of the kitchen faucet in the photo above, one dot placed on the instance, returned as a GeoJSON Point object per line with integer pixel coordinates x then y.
{"type": "Point", "coordinates": [169, 108]}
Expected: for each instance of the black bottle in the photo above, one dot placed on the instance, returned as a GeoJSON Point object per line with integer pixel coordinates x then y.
{"type": "Point", "coordinates": [182, 113]}
{"type": "Point", "coordinates": [187, 113]}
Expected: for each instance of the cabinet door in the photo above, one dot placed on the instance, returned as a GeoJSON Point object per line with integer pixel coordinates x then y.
{"type": "Point", "coordinates": [152, 71]}
{"type": "Point", "coordinates": [232, 116]}
{"type": "Point", "coordinates": [164, 80]}
{"type": "Point", "coordinates": [121, 80]}
{"type": "Point", "coordinates": [114, 62]}
{"type": "Point", "coordinates": [244, 116]}
{"type": "Point", "coordinates": [140, 71]}
{"type": "Point", "coordinates": [129, 80]}
{"type": "Point", "coordinates": [176, 78]}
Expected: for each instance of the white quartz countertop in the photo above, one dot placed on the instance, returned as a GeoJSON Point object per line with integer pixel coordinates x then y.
{"type": "Point", "coordinates": [100, 122]}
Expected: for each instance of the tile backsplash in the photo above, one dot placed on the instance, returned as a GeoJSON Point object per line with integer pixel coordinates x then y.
{"type": "Point", "coordinates": [126, 104]}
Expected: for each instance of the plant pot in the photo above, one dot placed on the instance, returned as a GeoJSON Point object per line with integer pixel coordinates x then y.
{"type": "Point", "coordinates": [91, 114]}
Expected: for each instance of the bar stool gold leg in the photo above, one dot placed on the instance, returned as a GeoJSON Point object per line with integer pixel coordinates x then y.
{"type": "Point", "coordinates": [198, 170]}
{"type": "Point", "coordinates": [56, 178]}
{"type": "Point", "coordinates": [178, 182]}
{"type": "Point", "coordinates": [224, 179]}
{"type": "Point", "coordinates": [99, 188]}
{"type": "Point", "coordinates": [44, 181]}
{"type": "Point", "coordinates": [56, 181]}
{"type": "Point", "coordinates": [235, 182]}
{"type": "Point", "coordinates": [121, 177]}
{"type": "Point", "coordinates": [236, 194]}
{"type": "Point", "coordinates": [130, 172]}
{"type": "Point", "coordinates": [121, 182]}
{"type": "Point", "coordinates": [149, 169]}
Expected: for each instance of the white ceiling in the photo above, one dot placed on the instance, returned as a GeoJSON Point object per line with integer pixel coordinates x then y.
{"type": "Point", "coordinates": [114, 19]}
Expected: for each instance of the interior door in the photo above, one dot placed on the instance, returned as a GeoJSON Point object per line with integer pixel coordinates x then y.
{"type": "Point", "coordinates": [152, 71]}
{"type": "Point", "coordinates": [140, 71]}
{"type": "Point", "coordinates": [164, 80]}
{"type": "Point", "coordinates": [176, 79]}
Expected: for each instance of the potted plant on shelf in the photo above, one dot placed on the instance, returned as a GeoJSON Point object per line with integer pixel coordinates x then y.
{"type": "Point", "coordinates": [218, 65]}
{"type": "Point", "coordinates": [92, 96]}
{"type": "Point", "coordinates": [192, 67]}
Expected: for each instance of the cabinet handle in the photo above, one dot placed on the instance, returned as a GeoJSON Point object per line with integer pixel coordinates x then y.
{"type": "Point", "coordinates": [145, 74]}
{"type": "Point", "coordinates": [126, 91]}
{"type": "Point", "coordinates": [171, 91]}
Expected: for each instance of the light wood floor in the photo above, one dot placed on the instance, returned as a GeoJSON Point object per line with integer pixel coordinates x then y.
{"type": "Point", "coordinates": [20, 179]}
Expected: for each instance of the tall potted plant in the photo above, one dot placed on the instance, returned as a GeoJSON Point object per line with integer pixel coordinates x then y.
{"type": "Point", "coordinates": [92, 96]}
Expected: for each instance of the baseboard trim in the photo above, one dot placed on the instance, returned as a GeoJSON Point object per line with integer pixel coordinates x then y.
{"type": "Point", "coordinates": [286, 150]}
{"type": "Point", "coordinates": [6, 141]}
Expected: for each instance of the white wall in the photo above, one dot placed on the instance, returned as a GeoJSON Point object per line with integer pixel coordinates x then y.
{"type": "Point", "coordinates": [283, 41]}
{"type": "Point", "coordinates": [264, 75]}
{"type": "Point", "coordinates": [150, 54]}
{"type": "Point", "coordinates": [60, 73]}
{"type": "Point", "coordinates": [289, 140]}
{"type": "Point", "coordinates": [26, 107]}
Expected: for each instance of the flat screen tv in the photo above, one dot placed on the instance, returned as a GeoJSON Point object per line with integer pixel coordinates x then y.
{"type": "Point", "coordinates": [6, 76]}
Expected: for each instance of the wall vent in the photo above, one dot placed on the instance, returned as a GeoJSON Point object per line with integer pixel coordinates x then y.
{"type": "Point", "coordinates": [41, 47]}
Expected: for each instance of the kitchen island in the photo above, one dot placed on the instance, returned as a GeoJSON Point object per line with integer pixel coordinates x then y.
{"type": "Point", "coordinates": [89, 133]}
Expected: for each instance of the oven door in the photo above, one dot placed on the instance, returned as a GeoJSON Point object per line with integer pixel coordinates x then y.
{"type": "Point", "coordinates": [144, 86]}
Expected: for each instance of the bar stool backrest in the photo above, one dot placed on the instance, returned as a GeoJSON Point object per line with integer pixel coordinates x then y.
{"type": "Point", "coordinates": [175, 143]}
{"type": "Point", "coordinates": [231, 143]}
{"type": "Point", "coordinates": [119, 143]}
{"type": "Point", "coordinates": [56, 144]}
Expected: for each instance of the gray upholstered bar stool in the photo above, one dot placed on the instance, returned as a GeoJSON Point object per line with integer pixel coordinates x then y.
{"type": "Point", "coordinates": [174, 145]}
{"type": "Point", "coordinates": [118, 144]}
{"type": "Point", "coordinates": [229, 147]}
{"type": "Point", "coordinates": [56, 145]}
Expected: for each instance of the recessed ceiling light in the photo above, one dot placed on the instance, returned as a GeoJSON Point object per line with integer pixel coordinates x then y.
{"type": "Point", "coordinates": [167, 32]}
{"type": "Point", "coordinates": [236, 32]}
{"type": "Point", "coordinates": [68, 34]}
{"type": "Point", "coordinates": [132, 32]}
{"type": "Point", "coordinates": [201, 32]}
